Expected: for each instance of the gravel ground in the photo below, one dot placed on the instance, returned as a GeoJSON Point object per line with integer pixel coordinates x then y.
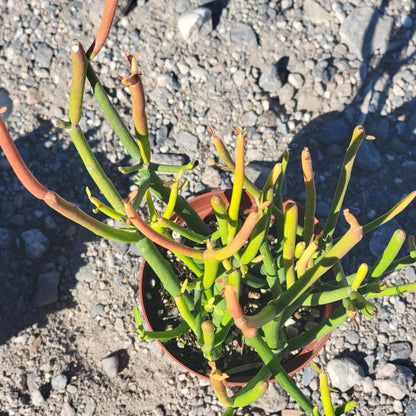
{"type": "Point", "coordinates": [291, 72]}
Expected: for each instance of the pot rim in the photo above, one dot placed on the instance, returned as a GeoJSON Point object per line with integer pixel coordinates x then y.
{"type": "Point", "coordinates": [202, 204]}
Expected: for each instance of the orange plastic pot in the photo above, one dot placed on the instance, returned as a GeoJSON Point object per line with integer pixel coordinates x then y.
{"type": "Point", "coordinates": [202, 205]}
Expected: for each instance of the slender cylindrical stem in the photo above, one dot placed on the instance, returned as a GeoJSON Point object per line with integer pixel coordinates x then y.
{"type": "Point", "coordinates": [389, 254]}
{"type": "Point", "coordinates": [344, 178]}
{"type": "Point", "coordinates": [79, 73]}
{"type": "Point", "coordinates": [234, 208]}
{"type": "Point", "coordinates": [308, 177]}
{"type": "Point", "coordinates": [104, 29]}
{"type": "Point", "coordinates": [220, 210]}
{"type": "Point", "coordinates": [360, 276]}
{"type": "Point", "coordinates": [289, 235]}
{"type": "Point", "coordinates": [94, 168]}
{"type": "Point", "coordinates": [397, 209]}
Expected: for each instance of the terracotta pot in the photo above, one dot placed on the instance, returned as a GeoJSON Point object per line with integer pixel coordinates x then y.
{"type": "Point", "coordinates": [202, 204]}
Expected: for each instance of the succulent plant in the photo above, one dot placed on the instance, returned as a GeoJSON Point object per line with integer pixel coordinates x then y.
{"type": "Point", "coordinates": [266, 248]}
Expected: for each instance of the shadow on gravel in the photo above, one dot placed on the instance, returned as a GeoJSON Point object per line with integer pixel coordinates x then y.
{"type": "Point", "coordinates": [28, 279]}
{"type": "Point", "coordinates": [384, 170]}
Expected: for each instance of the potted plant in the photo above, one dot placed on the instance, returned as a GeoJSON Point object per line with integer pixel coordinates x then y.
{"type": "Point", "coordinates": [271, 248]}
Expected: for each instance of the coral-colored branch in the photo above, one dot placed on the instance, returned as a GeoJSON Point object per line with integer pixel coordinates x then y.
{"type": "Point", "coordinates": [104, 29]}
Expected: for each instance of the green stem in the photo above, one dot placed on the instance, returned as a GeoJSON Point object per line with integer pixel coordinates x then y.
{"type": "Point", "coordinates": [344, 178]}
{"type": "Point", "coordinates": [113, 116]}
{"type": "Point", "coordinates": [94, 169]}
{"type": "Point", "coordinates": [279, 373]}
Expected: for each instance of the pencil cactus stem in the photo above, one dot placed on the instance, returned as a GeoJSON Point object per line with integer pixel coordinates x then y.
{"type": "Point", "coordinates": [325, 394]}
{"type": "Point", "coordinates": [19, 167]}
{"type": "Point", "coordinates": [234, 208]}
{"type": "Point", "coordinates": [220, 210]}
{"type": "Point", "coordinates": [156, 237]}
{"type": "Point", "coordinates": [239, 240]}
{"type": "Point", "coordinates": [251, 395]}
{"type": "Point", "coordinates": [184, 232]}
{"type": "Point", "coordinates": [217, 379]}
{"type": "Point", "coordinates": [185, 311]}
{"type": "Point", "coordinates": [359, 276]}
{"type": "Point", "coordinates": [104, 29]}
{"type": "Point", "coordinates": [289, 233]}
{"type": "Point", "coordinates": [357, 137]}
{"type": "Point", "coordinates": [229, 162]}
{"type": "Point", "coordinates": [389, 254]}
{"type": "Point", "coordinates": [210, 271]}
{"type": "Point", "coordinates": [138, 108]}
{"type": "Point", "coordinates": [79, 74]}
{"type": "Point", "coordinates": [94, 168]}
{"type": "Point", "coordinates": [256, 240]}
{"type": "Point", "coordinates": [271, 180]}
{"type": "Point", "coordinates": [100, 206]}
{"type": "Point", "coordinates": [308, 177]}
{"type": "Point", "coordinates": [397, 209]}
{"type": "Point", "coordinates": [173, 197]}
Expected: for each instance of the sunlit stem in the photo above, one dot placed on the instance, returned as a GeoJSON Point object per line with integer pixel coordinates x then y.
{"type": "Point", "coordinates": [344, 408]}
{"type": "Point", "coordinates": [113, 116]}
{"type": "Point", "coordinates": [271, 181]}
{"type": "Point", "coordinates": [397, 209]}
{"type": "Point", "coordinates": [104, 29]}
{"type": "Point", "coordinates": [308, 177]}
{"type": "Point", "coordinates": [252, 395]}
{"type": "Point", "coordinates": [394, 290]}
{"type": "Point", "coordinates": [229, 162]}
{"type": "Point", "coordinates": [184, 232]}
{"type": "Point", "coordinates": [170, 207]}
{"type": "Point", "coordinates": [325, 391]}
{"type": "Point", "coordinates": [138, 108]}
{"type": "Point", "coordinates": [234, 208]}
{"type": "Point", "coordinates": [94, 169]}
{"type": "Point", "coordinates": [256, 240]}
{"type": "Point", "coordinates": [103, 208]}
{"type": "Point", "coordinates": [289, 235]}
{"type": "Point", "coordinates": [220, 210]}
{"type": "Point", "coordinates": [271, 269]}
{"type": "Point", "coordinates": [79, 73]}
{"type": "Point", "coordinates": [389, 254]}
{"type": "Point", "coordinates": [185, 312]}
{"type": "Point", "coordinates": [303, 262]}
{"type": "Point", "coordinates": [208, 334]}
{"type": "Point", "coordinates": [279, 373]}
{"type": "Point", "coordinates": [218, 383]}
{"type": "Point", "coordinates": [357, 137]}
{"type": "Point", "coordinates": [210, 272]}
{"type": "Point", "coordinates": [360, 276]}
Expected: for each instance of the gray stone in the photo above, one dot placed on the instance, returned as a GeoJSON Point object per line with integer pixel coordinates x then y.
{"type": "Point", "coordinates": [394, 380]}
{"type": "Point", "coordinates": [162, 134]}
{"type": "Point", "coordinates": [37, 398]}
{"type": "Point", "coordinates": [67, 410]}
{"type": "Point", "coordinates": [366, 32]}
{"type": "Point", "coordinates": [59, 382]}
{"type": "Point", "coordinates": [249, 119]}
{"type": "Point", "coordinates": [315, 13]}
{"type": "Point", "coordinates": [110, 366]}
{"type": "Point", "coordinates": [308, 375]}
{"type": "Point", "coordinates": [186, 142]}
{"type": "Point", "coordinates": [43, 55]}
{"type": "Point", "coordinates": [400, 350]}
{"type": "Point", "coordinates": [85, 273]}
{"type": "Point", "coordinates": [335, 131]}
{"type": "Point", "coordinates": [211, 178]}
{"type": "Point", "coordinates": [411, 408]}
{"type": "Point", "coordinates": [46, 289]}
{"type": "Point", "coordinates": [242, 33]}
{"type": "Point", "coordinates": [4, 238]}
{"type": "Point", "coordinates": [410, 273]}
{"type": "Point", "coordinates": [381, 237]}
{"type": "Point", "coordinates": [368, 157]}
{"type": "Point", "coordinates": [344, 373]}
{"type": "Point", "coordinates": [307, 101]}
{"type": "Point", "coordinates": [160, 96]}
{"type": "Point", "coordinates": [98, 310]}
{"type": "Point", "coordinates": [296, 80]}
{"type": "Point", "coordinates": [286, 93]}
{"type": "Point", "coordinates": [36, 243]}
{"type": "Point", "coordinates": [270, 80]}
{"type": "Point", "coordinates": [196, 24]}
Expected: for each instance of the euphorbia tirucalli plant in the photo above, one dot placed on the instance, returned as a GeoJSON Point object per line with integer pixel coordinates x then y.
{"type": "Point", "coordinates": [267, 248]}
